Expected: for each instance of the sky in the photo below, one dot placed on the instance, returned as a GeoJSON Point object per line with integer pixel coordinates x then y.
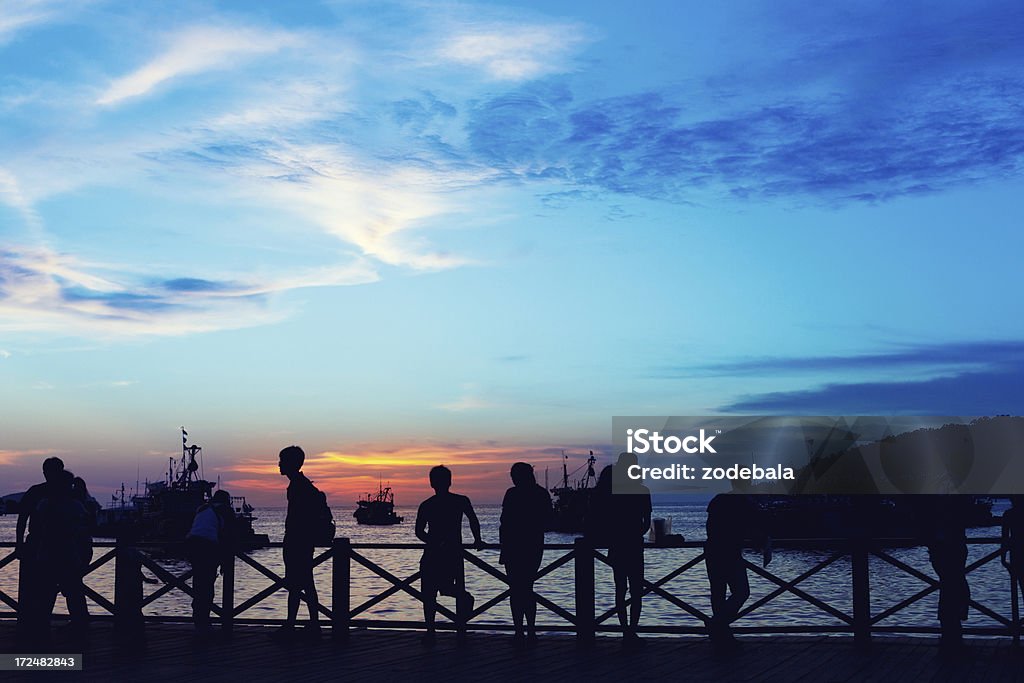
{"type": "Point", "coordinates": [405, 233]}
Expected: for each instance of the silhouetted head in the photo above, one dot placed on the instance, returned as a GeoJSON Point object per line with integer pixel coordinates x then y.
{"type": "Point", "coordinates": [52, 467]}
{"type": "Point", "coordinates": [622, 465]}
{"type": "Point", "coordinates": [63, 483]}
{"type": "Point", "coordinates": [79, 488]}
{"type": "Point", "coordinates": [290, 460]}
{"type": "Point", "coordinates": [440, 478]}
{"type": "Point", "coordinates": [522, 474]}
{"type": "Point", "coordinates": [604, 480]}
{"type": "Point", "coordinates": [222, 497]}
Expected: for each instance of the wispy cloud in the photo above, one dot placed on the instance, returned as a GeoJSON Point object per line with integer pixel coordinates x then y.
{"type": "Point", "coordinates": [195, 50]}
{"type": "Point", "coordinates": [892, 104]}
{"type": "Point", "coordinates": [11, 193]}
{"type": "Point", "coordinates": [10, 457]}
{"type": "Point", "coordinates": [959, 355]}
{"type": "Point", "coordinates": [4, 353]}
{"type": "Point", "coordinates": [470, 400]}
{"type": "Point", "coordinates": [44, 290]}
{"type": "Point", "coordinates": [514, 51]}
{"type": "Point", "coordinates": [17, 15]}
{"type": "Point", "coordinates": [967, 378]}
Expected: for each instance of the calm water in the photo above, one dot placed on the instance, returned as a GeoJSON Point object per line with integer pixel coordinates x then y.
{"type": "Point", "coordinates": [989, 584]}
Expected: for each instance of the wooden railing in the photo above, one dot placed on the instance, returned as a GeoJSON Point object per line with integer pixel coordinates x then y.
{"type": "Point", "coordinates": [583, 619]}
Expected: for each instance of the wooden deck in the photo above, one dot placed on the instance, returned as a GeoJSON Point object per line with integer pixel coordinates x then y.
{"type": "Point", "coordinates": [171, 653]}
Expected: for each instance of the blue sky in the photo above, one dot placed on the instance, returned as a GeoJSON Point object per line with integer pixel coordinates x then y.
{"type": "Point", "coordinates": [449, 229]}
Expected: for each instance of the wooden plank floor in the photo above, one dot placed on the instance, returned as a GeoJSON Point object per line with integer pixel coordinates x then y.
{"type": "Point", "coordinates": [171, 653]}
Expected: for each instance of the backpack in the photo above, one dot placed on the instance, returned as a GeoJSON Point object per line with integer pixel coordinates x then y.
{"type": "Point", "coordinates": [323, 520]}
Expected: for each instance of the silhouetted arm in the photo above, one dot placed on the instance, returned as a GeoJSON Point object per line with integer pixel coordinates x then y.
{"type": "Point", "coordinates": [645, 521]}
{"type": "Point", "coordinates": [19, 539]}
{"type": "Point", "coordinates": [421, 525]}
{"type": "Point", "coordinates": [474, 523]}
{"type": "Point", "coordinates": [505, 518]}
{"type": "Point", "coordinates": [548, 518]}
{"type": "Point", "coordinates": [25, 507]}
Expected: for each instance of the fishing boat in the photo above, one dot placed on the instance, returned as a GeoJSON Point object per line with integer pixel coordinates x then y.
{"type": "Point", "coordinates": [165, 511]}
{"type": "Point", "coordinates": [571, 500]}
{"type": "Point", "coordinates": [377, 509]}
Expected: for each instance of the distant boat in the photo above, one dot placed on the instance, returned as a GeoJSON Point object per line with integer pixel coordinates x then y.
{"type": "Point", "coordinates": [377, 509]}
{"type": "Point", "coordinates": [166, 510]}
{"type": "Point", "coordinates": [571, 501]}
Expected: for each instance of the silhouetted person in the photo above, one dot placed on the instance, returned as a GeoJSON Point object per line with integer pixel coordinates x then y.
{"type": "Point", "coordinates": [943, 519]}
{"type": "Point", "coordinates": [81, 493]}
{"type": "Point", "coordinates": [525, 515]}
{"type": "Point", "coordinates": [32, 617]}
{"type": "Point", "coordinates": [620, 515]}
{"type": "Point", "coordinates": [1013, 540]}
{"type": "Point", "coordinates": [60, 558]}
{"type": "Point", "coordinates": [299, 540]}
{"type": "Point", "coordinates": [733, 518]}
{"type": "Point", "coordinates": [439, 526]}
{"type": "Point", "coordinates": [209, 543]}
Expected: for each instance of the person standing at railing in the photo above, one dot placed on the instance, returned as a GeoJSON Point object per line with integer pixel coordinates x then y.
{"type": "Point", "coordinates": [439, 526]}
{"type": "Point", "coordinates": [209, 542]}
{"type": "Point", "coordinates": [1013, 540]}
{"type": "Point", "coordinates": [304, 502]}
{"type": "Point", "coordinates": [733, 518]}
{"type": "Point", "coordinates": [619, 516]}
{"type": "Point", "coordinates": [526, 514]}
{"type": "Point", "coordinates": [31, 616]}
{"type": "Point", "coordinates": [943, 523]}
{"type": "Point", "coordinates": [60, 559]}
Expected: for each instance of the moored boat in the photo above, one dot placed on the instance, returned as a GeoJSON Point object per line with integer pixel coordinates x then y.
{"type": "Point", "coordinates": [377, 509]}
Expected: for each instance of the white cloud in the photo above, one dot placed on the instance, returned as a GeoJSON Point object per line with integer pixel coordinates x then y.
{"type": "Point", "coordinates": [11, 193]}
{"type": "Point", "coordinates": [195, 50]}
{"type": "Point", "coordinates": [513, 51]}
{"type": "Point", "coordinates": [16, 15]}
{"type": "Point", "coordinates": [5, 354]}
{"type": "Point", "coordinates": [469, 401]}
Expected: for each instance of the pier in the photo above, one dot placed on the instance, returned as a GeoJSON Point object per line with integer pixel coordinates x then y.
{"type": "Point", "coordinates": [578, 641]}
{"type": "Point", "coordinates": [170, 653]}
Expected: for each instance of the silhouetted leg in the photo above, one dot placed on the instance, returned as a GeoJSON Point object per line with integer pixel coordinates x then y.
{"type": "Point", "coordinates": [954, 593]}
{"type": "Point", "coordinates": [636, 591]}
{"type": "Point", "coordinates": [718, 583]}
{"type": "Point", "coordinates": [312, 599]}
{"type": "Point", "coordinates": [429, 591]}
{"type": "Point", "coordinates": [621, 586]}
{"type": "Point", "coordinates": [516, 600]}
{"type": "Point", "coordinates": [296, 568]}
{"type": "Point", "coordinates": [463, 609]}
{"type": "Point", "coordinates": [530, 607]}
{"type": "Point", "coordinates": [74, 594]}
{"type": "Point", "coordinates": [739, 590]}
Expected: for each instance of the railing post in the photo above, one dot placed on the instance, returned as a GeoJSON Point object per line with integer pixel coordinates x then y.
{"type": "Point", "coordinates": [341, 587]}
{"type": "Point", "coordinates": [128, 621]}
{"type": "Point", "coordinates": [583, 562]}
{"type": "Point", "coordinates": [227, 607]}
{"type": "Point", "coordinates": [861, 594]}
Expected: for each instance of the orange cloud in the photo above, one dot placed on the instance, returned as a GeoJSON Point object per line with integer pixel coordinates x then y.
{"type": "Point", "coordinates": [479, 470]}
